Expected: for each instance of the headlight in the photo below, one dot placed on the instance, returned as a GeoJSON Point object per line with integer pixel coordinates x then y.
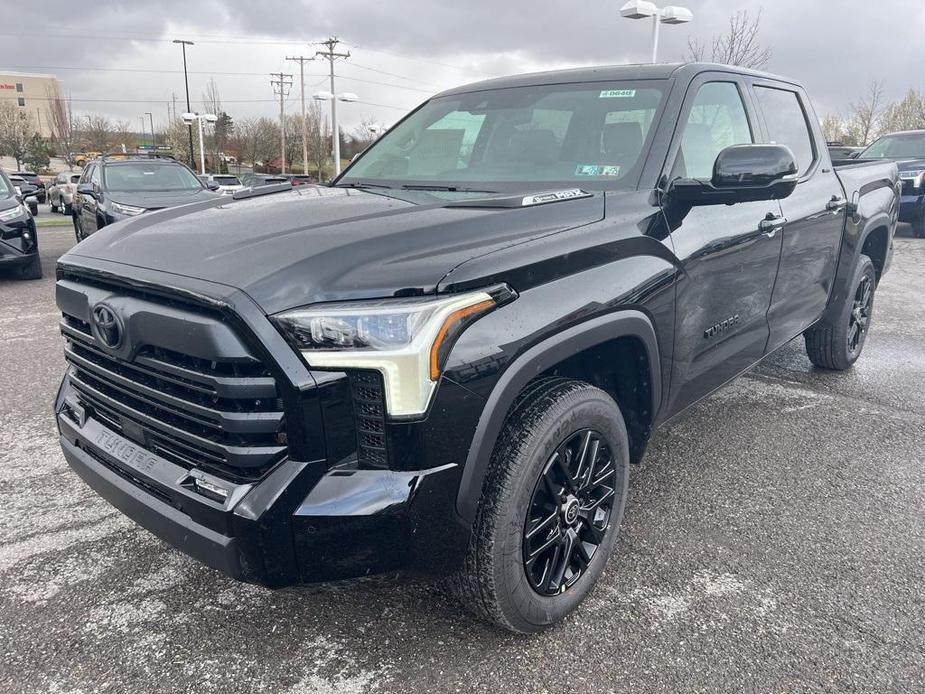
{"type": "Point", "coordinates": [407, 340]}
{"type": "Point", "coordinates": [13, 213]}
{"type": "Point", "coordinates": [917, 176]}
{"type": "Point", "coordinates": [127, 210]}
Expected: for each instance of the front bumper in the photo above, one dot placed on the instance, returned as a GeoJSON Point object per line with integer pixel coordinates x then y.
{"type": "Point", "coordinates": [911, 207]}
{"type": "Point", "coordinates": [302, 522]}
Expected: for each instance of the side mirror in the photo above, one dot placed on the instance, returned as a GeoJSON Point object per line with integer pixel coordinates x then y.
{"type": "Point", "coordinates": [212, 185]}
{"type": "Point", "coordinates": [855, 154]}
{"type": "Point", "coordinates": [742, 173]}
{"type": "Point", "coordinates": [86, 189]}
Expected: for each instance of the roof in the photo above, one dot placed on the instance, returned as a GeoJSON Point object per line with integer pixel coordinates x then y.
{"type": "Point", "coordinates": [608, 73]}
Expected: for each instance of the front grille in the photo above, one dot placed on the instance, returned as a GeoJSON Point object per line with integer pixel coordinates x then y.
{"type": "Point", "coordinates": [220, 415]}
{"type": "Point", "coordinates": [369, 411]}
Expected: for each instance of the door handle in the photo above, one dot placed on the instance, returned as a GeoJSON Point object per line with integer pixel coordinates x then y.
{"type": "Point", "coordinates": [835, 204]}
{"type": "Point", "coordinates": [770, 224]}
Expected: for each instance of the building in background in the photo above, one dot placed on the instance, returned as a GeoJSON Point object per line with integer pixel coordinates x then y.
{"type": "Point", "coordinates": [33, 94]}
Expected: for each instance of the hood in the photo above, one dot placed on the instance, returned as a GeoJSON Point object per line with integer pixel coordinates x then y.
{"type": "Point", "coordinates": [320, 244]}
{"type": "Point", "coordinates": [160, 200]}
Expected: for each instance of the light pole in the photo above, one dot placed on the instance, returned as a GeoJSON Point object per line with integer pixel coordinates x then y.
{"type": "Point", "coordinates": [189, 125]}
{"type": "Point", "coordinates": [670, 14]}
{"type": "Point", "coordinates": [153, 136]}
{"type": "Point", "coordinates": [188, 118]}
{"type": "Point", "coordinates": [142, 119]}
{"type": "Point", "coordinates": [329, 96]}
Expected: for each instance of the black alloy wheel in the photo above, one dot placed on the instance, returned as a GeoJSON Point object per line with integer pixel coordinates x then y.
{"type": "Point", "coordinates": [860, 314]}
{"type": "Point", "coordinates": [569, 513]}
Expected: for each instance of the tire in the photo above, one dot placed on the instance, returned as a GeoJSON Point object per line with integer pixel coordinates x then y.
{"type": "Point", "coordinates": [66, 208]}
{"type": "Point", "coordinates": [497, 583]}
{"type": "Point", "coordinates": [837, 340]}
{"type": "Point", "coordinates": [52, 207]}
{"type": "Point", "coordinates": [78, 229]}
{"type": "Point", "coordinates": [918, 226]}
{"type": "Point", "coordinates": [32, 270]}
{"type": "Point", "coordinates": [34, 209]}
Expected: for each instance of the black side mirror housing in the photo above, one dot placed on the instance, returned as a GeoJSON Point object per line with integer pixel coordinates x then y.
{"type": "Point", "coordinates": [212, 185]}
{"type": "Point", "coordinates": [86, 189]}
{"type": "Point", "coordinates": [741, 173]}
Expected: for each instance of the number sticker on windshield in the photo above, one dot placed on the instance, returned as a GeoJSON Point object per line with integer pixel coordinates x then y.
{"type": "Point", "coordinates": [618, 94]}
{"type": "Point", "coordinates": [596, 170]}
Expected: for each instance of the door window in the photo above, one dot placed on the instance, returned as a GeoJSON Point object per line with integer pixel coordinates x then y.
{"type": "Point", "coordinates": [717, 120]}
{"type": "Point", "coordinates": [786, 123]}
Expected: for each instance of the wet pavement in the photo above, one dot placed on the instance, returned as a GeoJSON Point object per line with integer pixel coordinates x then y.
{"type": "Point", "coordinates": [774, 540]}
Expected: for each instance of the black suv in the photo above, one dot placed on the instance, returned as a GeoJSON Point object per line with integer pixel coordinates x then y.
{"type": "Point", "coordinates": [19, 244]}
{"type": "Point", "coordinates": [34, 179]}
{"type": "Point", "coordinates": [119, 186]}
{"type": "Point", "coordinates": [448, 359]}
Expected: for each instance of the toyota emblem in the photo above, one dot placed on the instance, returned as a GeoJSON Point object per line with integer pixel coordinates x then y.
{"type": "Point", "coordinates": [108, 326]}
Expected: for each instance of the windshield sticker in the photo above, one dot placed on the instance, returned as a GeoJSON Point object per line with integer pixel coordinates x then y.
{"type": "Point", "coordinates": [618, 94]}
{"type": "Point", "coordinates": [596, 170]}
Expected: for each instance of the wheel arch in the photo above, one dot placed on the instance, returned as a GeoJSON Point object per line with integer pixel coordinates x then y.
{"type": "Point", "coordinates": [543, 359]}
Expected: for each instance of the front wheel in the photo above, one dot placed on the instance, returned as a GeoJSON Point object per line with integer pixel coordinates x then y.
{"type": "Point", "coordinates": [551, 508]}
{"type": "Point", "coordinates": [837, 340]}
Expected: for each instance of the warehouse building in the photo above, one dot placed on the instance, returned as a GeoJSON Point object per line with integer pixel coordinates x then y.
{"type": "Point", "coordinates": [34, 94]}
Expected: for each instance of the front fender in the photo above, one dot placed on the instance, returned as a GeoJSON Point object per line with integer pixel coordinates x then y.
{"type": "Point", "coordinates": [534, 361]}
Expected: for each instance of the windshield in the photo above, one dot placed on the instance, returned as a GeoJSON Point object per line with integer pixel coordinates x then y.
{"type": "Point", "coordinates": [905, 146]}
{"type": "Point", "coordinates": [149, 177]}
{"type": "Point", "coordinates": [586, 134]}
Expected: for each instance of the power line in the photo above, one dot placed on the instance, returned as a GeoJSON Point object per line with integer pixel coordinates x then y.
{"type": "Point", "coordinates": [281, 86]}
{"type": "Point", "coordinates": [331, 55]}
{"type": "Point", "coordinates": [301, 60]}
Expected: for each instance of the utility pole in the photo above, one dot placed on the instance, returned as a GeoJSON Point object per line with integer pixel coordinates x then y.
{"type": "Point", "coordinates": [331, 56]}
{"type": "Point", "coordinates": [302, 60]}
{"type": "Point", "coordinates": [281, 86]}
{"type": "Point", "coordinates": [174, 95]}
{"type": "Point", "coordinates": [151, 119]}
{"type": "Point", "coordinates": [142, 129]}
{"type": "Point", "coordinates": [189, 126]}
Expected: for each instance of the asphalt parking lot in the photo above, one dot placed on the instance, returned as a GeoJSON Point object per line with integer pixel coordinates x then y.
{"type": "Point", "coordinates": [774, 540]}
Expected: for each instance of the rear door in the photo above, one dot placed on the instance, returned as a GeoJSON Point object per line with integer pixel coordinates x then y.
{"type": "Point", "coordinates": [815, 213]}
{"type": "Point", "coordinates": [729, 261]}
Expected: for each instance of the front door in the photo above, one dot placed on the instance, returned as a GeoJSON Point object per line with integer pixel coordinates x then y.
{"type": "Point", "coordinates": [729, 253]}
{"type": "Point", "coordinates": [88, 203]}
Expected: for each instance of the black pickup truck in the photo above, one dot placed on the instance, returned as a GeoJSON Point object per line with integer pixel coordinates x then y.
{"type": "Point", "coordinates": [447, 360]}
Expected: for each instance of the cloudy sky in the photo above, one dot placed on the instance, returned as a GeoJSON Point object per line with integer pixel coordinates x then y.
{"type": "Point", "coordinates": [117, 58]}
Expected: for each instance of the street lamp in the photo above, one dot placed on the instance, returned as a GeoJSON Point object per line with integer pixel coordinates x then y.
{"type": "Point", "coordinates": [348, 97]}
{"type": "Point", "coordinates": [153, 136]}
{"type": "Point", "coordinates": [188, 118]}
{"type": "Point", "coordinates": [670, 14]}
{"type": "Point", "coordinates": [189, 125]}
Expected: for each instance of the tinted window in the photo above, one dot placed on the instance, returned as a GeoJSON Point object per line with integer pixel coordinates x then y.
{"type": "Point", "coordinates": [504, 139]}
{"type": "Point", "coordinates": [717, 120]}
{"type": "Point", "coordinates": [786, 123]}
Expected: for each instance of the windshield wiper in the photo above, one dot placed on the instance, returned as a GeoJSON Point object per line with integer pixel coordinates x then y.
{"type": "Point", "coordinates": [448, 189]}
{"type": "Point", "coordinates": [360, 184]}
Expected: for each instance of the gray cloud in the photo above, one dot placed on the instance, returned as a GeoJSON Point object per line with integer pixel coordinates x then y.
{"type": "Point", "coordinates": [834, 46]}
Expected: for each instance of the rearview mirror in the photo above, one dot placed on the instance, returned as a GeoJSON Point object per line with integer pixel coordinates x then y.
{"type": "Point", "coordinates": [86, 189]}
{"type": "Point", "coordinates": [742, 173]}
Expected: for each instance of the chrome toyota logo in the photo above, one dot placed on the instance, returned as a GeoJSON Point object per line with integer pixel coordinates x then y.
{"type": "Point", "coordinates": [108, 326]}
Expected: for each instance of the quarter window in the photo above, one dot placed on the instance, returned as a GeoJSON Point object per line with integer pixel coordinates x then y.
{"type": "Point", "coordinates": [786, 123]}
{"type": "Point", "coordinates": [717, 120]}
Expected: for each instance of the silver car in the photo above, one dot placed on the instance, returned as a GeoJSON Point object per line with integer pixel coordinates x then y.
{"type": "Point", "coordinates": [61, 192]}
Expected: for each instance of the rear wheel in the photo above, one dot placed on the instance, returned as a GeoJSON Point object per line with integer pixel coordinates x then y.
{"type": "Point", "coordinates": [552, 504]}
{"type": "Point", "coordinates": [837, 340]}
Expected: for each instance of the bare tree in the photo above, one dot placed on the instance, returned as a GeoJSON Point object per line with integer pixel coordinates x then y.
{"type": "Point", "coordinates": [124, 135]}
{"type": "Point", "coordinates": [319, 138]}
{"type": "Point", "coordinates": [738, 46]}
{"type": "Point", "coordinates": [833, 128]}
{"type": "Point", "coordinates": [908, 114]}
{"type": "Point", "coordinates": [63, 127]}
{"type": "Point", "coordinates": [256, 140]}
{"type": "Point", "coordinates": [866, 114]}
{"type": "Point", "coordinates": [16, 131]}
{"type": "Point", "coordinates": [98, 133]}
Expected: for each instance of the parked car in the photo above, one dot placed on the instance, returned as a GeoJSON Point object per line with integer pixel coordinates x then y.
{"type": "Point", "coordinates": [19, 242]}
{"type": "Point", "coordinates": [299, 179]}
{"type": "Point", "coordinates": [448, 359]}
{"type": "Point", "coordinates": [36, 181]}
{"type": "Point", "coordinates": [838, 151]}
{"type": "Point", "coordinates": [225, 184]}
{"type": "Point", "coordinates": [27, 191]}
{"type": "Point", "coordinates": [907, 149]}
{"type": "Point", "coordinates": [120, 186]}
{"type": "Point", "coordinates": [61, 192]}
{"type": "Point", "coordinates": [254, 180]}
